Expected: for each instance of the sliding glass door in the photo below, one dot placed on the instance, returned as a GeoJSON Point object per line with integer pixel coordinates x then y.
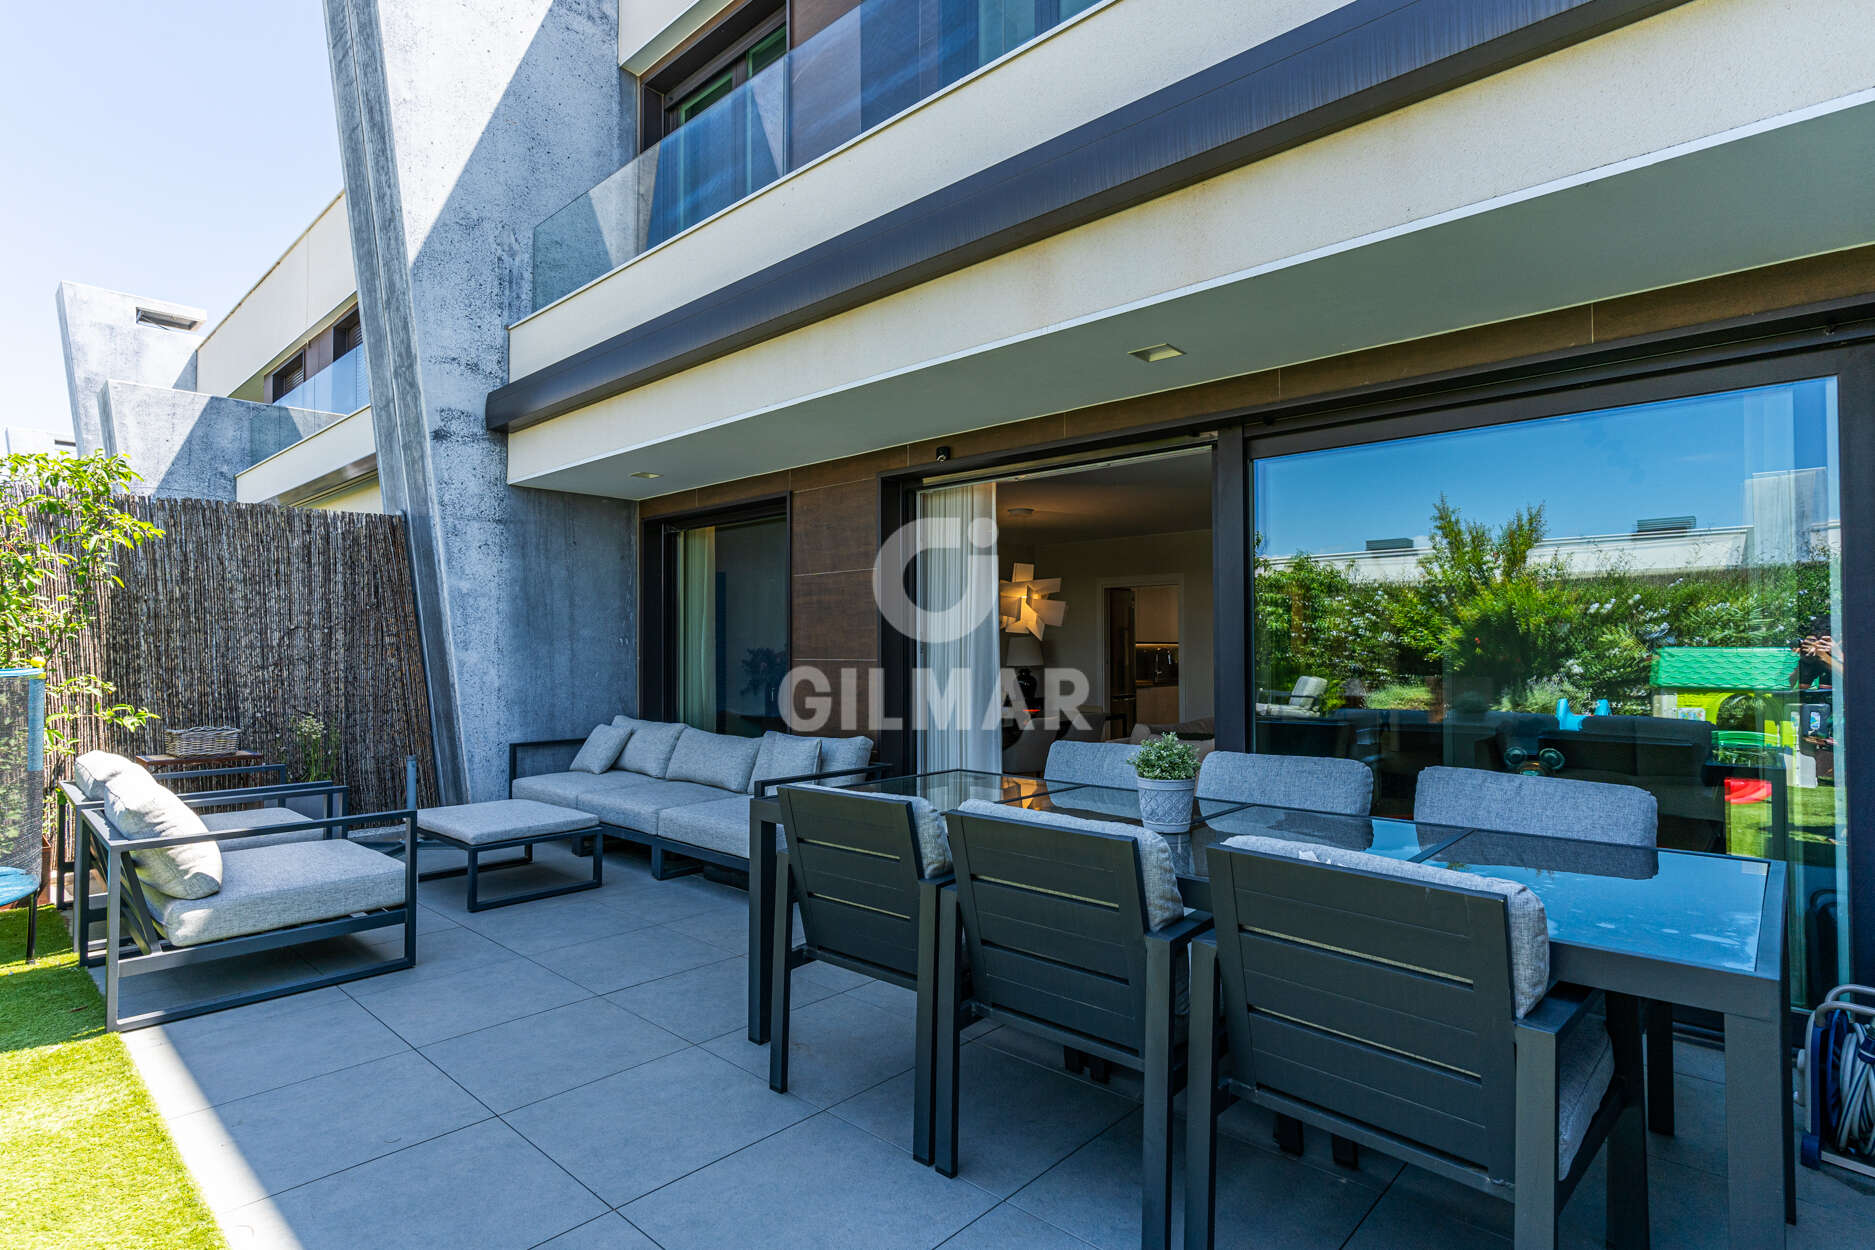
{"type": "Point", "coordinates": [1648, 594]}
{"type": "Point", "coordinates": [728, 591]}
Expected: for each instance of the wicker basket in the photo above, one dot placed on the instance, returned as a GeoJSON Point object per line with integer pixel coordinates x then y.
{"type": "Point", "coordinates": [202, 740]}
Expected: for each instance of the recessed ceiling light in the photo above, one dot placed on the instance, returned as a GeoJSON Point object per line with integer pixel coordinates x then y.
{"type": "Point", "coordinates": [642, 473]}
{"type": "Point", "coordinates": [1021, 512]}
{"type": "Point", "coordinates": [1157, 352]}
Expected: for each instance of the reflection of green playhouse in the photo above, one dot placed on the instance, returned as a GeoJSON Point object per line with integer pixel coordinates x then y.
{"type": "Point", "coordinates": [1740, 691]}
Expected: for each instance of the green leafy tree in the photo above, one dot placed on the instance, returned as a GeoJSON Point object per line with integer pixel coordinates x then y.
{"type": "Point", "coordinates": [63, 528]}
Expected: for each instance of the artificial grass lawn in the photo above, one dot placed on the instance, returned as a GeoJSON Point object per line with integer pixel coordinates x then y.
{"type": "Point", "coordinates": [84, 1157]}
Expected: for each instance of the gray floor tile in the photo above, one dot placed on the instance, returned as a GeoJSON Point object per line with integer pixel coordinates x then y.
{"type": "Point", "coordinates": [837, 1047]}
{"type": "Point", "coordinates": [822, 1184]}
{"type": "Point", "coordinates": [1007, 1228]}
{"type": "Point", "coordinates": [893, 998]}
{"type": "Point", "coordinates": [1264, 1199]}
{"type": "Point", "coordinates": [1258, 1128]}
{"type": "Point", "coordinates": [241, 1151]}
{"type": "Point", "coordinates": [479, 1188]}
{"type": "Point", "coordinates": [199, 983]}
{"type": "Point", "coordinates": [1048, 1054]}
{"type": "Point", "coordinates": [628, 959]}
{"type": "Point", "coordinates": [609, 1232]}
{"type": "Point", "coordinates": [724, 927]}
{"type": "Point", "coordinates": [440, 953]}
{"type": "Point", "coordinates": [422, 1012]}
{"type": "Point", "coordinates": [550, 1052]}
{"type": "Point", "coordinates": [627, 1134]}
{"type": "Point", "coordinates": [529, 928]}
{"type": "Point", "coordinates": [709, 1001]}
{"type": "Point", "coordinates": [1015, 1120]}
{"type": "Point", "coordinates": [207, 1060]}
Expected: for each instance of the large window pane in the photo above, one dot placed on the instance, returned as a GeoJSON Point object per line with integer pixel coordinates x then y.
{"type": "Point", "coordinates": [731, 592]}
{"type": "Point", "coordinates": [1646, 595]}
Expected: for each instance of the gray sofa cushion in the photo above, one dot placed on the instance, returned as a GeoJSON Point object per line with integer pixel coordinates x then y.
{"type": "Point", "coordinates": [1529, 924]}
{"type": "Point", "coordinates": [721, 825]}
{"type": "Point", "coordinates": [784, 755]}
{"type": "Point", "coordinates": [259, 818]}
{"type": "Point", "coordinates": [648, 750]}
{"type": "Point", "coordinates": [274, 887]}
{"type": "Point", "coordinates": [720, 760]}
{"type": "Point", "coordinates": [139, 806]}
{"type": "Point", "coordinates": [601, 749]}
{"type": "Point", "coordinates": [571, 789]}
{"type": "Point", "coordinates": [854, 752]}
{"type": "Point", "coordinates": [1092, 764]}
{"type": "Point", "coordinates": [502, 819]}
{"type": "Point", "coordinates": [1163, 904]}
{"type": "Point", "coordinates": [1553, 807]}
{"type": "Point", "coordinates": [93, 769]}
{"type": "Point", "coordinates": [638, 807]}
{"type": "Point", "coordinates": [1313, 783]}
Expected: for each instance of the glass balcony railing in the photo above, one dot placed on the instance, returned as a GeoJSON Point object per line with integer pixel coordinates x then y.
{"type": "Point", "coordinates": [873, 62]}
{"type": "Point", "coordinates": [344, 386]}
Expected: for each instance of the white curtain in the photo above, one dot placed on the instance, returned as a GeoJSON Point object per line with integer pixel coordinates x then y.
{"type": "Point", "coordinates": [696, 627]}
{"type": "Point", "coordinates": [963, 731]}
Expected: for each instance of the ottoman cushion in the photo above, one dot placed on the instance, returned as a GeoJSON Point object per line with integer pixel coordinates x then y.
{"type": "Point", "coordinates": [502, 820]}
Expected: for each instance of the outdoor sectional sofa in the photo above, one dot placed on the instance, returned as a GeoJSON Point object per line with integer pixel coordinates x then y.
{"type": "Point", "coordinates": [680, 790]}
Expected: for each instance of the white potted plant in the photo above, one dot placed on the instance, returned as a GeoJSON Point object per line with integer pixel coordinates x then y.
{"type": "Point", "coordinates": [1168, 777]}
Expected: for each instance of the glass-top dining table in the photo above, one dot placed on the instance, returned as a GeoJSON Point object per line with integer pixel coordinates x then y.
{"type": "Point", "coordinates": [1696, 930]}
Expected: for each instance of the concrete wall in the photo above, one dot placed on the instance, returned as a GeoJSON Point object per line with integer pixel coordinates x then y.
{"type": "Point", "coordinates": [460, 128]}
{"type": "Point", "coordinates": [185, 444]}
{"type": "Point", "coordinates": [103, 341]}
{"type": "Point", "coordinates": [302, 293]}
{"type": "Point", "coordinates": [649, 29]}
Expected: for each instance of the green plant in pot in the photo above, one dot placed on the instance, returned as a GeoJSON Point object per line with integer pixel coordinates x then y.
{"type": "Point", "coordinates": [1168, 777]}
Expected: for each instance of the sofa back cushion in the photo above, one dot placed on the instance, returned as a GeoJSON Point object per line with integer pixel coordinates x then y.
{"type": "Point", "coordinates": [855, 752]}
{"type": "Point", "coordinates": [784, 755]}
{"type": "Point", "coordinates": [649, 748]}
{"type": "Point", "coordinates": [92, 770]}
{"type": "Point", "coordinates": [139, 806]}
{"type": "Point", "coordinates": [720, 760]}
{"type": "Point", "coordinates": [601, 749]}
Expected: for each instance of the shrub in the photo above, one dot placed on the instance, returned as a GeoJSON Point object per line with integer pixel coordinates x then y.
{"type": "Point", "coordinates": [1165, 758]}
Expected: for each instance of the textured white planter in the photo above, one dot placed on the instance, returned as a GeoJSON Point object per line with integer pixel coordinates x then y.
{"type": "Point", "coordinates": [1165, 806]}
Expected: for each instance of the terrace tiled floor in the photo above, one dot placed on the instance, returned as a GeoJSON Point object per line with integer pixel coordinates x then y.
{"type": "Point", "coordinates": [572, 1074]}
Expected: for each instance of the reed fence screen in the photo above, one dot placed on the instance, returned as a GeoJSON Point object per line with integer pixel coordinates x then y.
{"type": "Point", "coordinates": [256, 615]}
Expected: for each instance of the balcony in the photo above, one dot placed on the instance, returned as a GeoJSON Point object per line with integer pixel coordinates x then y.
{"type": "Point", "coordinates": [344, 386]}
{"type": "Point", "coordinates": [871, 64]}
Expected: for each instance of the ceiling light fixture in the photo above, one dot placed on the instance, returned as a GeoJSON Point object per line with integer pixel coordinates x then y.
{"type": "Point", "coordinates": [646, 474]}
{"type": "Point", "coordinates": [1157, 352]}
{"type": "Point", "coordinates": [1021, 512]}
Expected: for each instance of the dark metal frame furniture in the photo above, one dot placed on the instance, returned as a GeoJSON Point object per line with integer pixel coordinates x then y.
{"type": "Point", "coordinates": [71, 799]}
{"type": "Point", "coordinates": [73, 806]}
{"type": "Point", "coordinates": [868, 905]}
{"type": "Point", "coordinates": [1381, 1010]}
{"type": "Point", "coordinates": [592, 835]}
{"type": "Point", "coordinates": [1059, 945]}
{"type": "Point", "coordinates": [134, 943]}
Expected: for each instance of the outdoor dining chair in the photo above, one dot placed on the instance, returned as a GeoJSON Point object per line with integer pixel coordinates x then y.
{"type": "Point", "coordinates": [1343, 787]}
{"type": "Point", "coordinates": [1408, 1008]}
{"type": "Point", "coordinates": [865, 871]}
{"type": "Point", "coordinates": [1563, 808]}
{"type": "Point", "coordinates": [1074, 932]}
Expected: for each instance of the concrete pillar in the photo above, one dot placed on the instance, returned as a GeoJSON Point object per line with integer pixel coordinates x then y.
{"type": "Point", "coordinates": [462, 126]}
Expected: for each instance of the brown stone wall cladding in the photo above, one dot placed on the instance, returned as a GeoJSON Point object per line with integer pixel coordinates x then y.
{"type": "Point", "coordinates": [254, 615]}
{"type": "Point", "coordinates": [835, 503]}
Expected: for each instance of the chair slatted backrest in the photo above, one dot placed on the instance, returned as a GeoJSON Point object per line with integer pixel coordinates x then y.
{"type": "Point", "coordinates": [1055, 924]}
{"type": "Point", "coordinates": [1382, 1000]}
{"type": "Point", "coordinates": [854, 859]}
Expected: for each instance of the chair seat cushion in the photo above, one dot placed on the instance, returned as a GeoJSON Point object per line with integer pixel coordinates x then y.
{"type": "Point", "coordinates": [502, 819]}
{"type": "Point", "coordinates": [259, 818]}
{"type": "Point", "coordinates": [1585, 1067]}
{"type": "Point", "coordinates": [570, 789]}
{"type": "Point", "coordinates": [638, 807]}
{"type": "Point", "coordinates": [276, 887]}
{"type": "Point", "coordinates": [721, 826]}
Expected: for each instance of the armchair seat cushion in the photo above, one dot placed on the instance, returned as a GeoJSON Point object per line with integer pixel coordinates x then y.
{"type": "Point", "coordinates": [259, 818]}
{"type": "Point", "coordinates": [639, 807]}
{"type": "Point", "coordinates": [721, 825]}
{"type": "Point", "coordinates": [275, 887]}
{"type": "Point", "coordinates": [570, 789]}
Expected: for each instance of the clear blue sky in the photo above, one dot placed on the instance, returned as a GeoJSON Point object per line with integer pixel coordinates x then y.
{"type": "Point", "coordinates": [169, 150]}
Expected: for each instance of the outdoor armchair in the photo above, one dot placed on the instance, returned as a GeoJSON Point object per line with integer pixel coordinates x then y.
{"type": "Point", "coordinates": [865, 871]}
{"type": "Point", "coordinates": [1073, 931]}
{"type": "Point", "coordinates": [1408, 1008]}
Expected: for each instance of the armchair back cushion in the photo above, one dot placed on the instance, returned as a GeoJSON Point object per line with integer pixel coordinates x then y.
{"type": "Point", "coordinates": [784, 755]}
{"type": "Point", "coordinates": [139, 806]}
{"type": "Point", "coordinates": [92, 770]}
{"type": "Point", "coordinates": [720, 760]}
{"type": "Point", "coordinates": [601, 750]}
{"type": "Point", "coordinates": [649, 749]}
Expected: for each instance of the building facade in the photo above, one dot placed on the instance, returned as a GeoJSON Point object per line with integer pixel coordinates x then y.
{"type": "Point", "coordinates": [1395, 380]}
